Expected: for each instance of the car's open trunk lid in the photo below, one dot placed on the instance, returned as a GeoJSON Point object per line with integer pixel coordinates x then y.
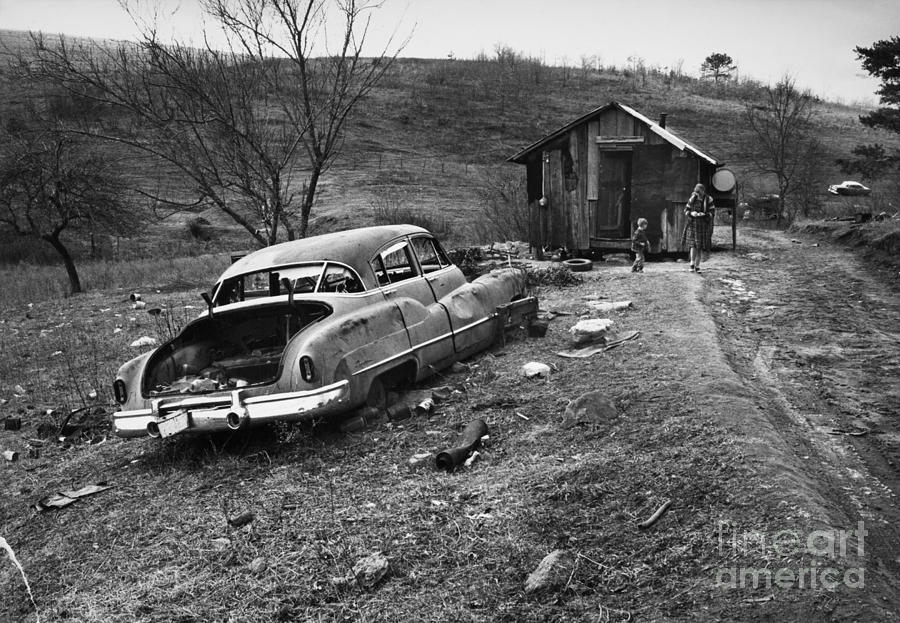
{"type": "Point", "coordinates": [231, 349]}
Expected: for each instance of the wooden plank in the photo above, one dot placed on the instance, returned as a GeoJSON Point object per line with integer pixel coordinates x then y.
{"type": "Point", "coordinates": [580, 217]}
{"type": "Point", "coordinates": [614, 140]}
{"type": "Point", "coordinates": [593, 161]}
{"type": "Point", "coordinates": [558, 221]}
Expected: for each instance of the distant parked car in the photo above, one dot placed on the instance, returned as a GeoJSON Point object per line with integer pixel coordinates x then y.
{"type": "Point", "coordinates": [849, 188]}
{"type": "Point", "coordinates": [315, 328]}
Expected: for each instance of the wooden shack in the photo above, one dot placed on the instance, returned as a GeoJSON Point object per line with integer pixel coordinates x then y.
{"type": "Point", "coordinates": [590, 181]}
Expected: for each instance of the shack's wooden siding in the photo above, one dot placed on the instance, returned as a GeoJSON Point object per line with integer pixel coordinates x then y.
{"type": "Point", "coordinates": [567, 172]}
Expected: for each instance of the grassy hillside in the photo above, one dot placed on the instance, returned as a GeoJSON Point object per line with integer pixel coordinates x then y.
{"type": "Point", "coordinates": [435, 135]}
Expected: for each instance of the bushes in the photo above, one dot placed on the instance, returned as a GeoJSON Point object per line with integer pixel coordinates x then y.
{"type": "Point", "coordinates": [389, 207]}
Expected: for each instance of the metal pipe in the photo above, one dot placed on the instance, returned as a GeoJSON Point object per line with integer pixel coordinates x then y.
{"type": "Point", "coordinates": [468, 441]}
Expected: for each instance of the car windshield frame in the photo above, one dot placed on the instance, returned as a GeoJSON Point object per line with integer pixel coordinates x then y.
{"type": "Point", "coordinates": [305, 277]}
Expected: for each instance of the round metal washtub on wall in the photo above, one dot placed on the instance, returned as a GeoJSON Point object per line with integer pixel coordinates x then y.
{"type": "Point", "coordinates": [723, 180]}
{"type": "Point", "coordinates": [579, 265]}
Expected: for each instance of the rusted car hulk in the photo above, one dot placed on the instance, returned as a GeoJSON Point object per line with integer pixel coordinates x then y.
{"type": "Point", "coordinates": [315, 328]}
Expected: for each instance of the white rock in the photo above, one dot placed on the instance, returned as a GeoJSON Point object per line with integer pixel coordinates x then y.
{"type": "Point", "coordinates": [607, 306]}
{"type": "Point", "coordinates": [535, 369]}
{"type": "Point", "coordinates": [590, 330]}
{"type": "Point", "coordinates": [144, 341]}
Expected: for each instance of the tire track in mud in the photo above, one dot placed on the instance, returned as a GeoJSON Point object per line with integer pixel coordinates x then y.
{"type": "Point", "coordinates": [807, 326]}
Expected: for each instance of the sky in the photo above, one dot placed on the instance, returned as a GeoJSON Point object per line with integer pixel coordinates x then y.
{"type": "Point", "coordinates": [813, 41]}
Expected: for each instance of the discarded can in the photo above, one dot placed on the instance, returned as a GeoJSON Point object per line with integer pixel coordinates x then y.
{"type": "Point", "coordinates": [425, 407]}
{"type": "Point", "coordinates": [538, 328]}
{"type": "Point", "coordinates": [12, 423]}
{"type": "Point", "coordinates": [356, 423]}
{"type": "Point", "coordinates": [399, 411]}
{"type": "Point", "coordinates": [11, 455]}
{"type": "Point", "coordinates": [369, 414]}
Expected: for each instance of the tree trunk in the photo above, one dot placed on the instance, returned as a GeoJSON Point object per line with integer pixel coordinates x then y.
{"type": "Point", "coordinates": [74, 281]}
{"type": "Point", "coordinates": [308, 198]}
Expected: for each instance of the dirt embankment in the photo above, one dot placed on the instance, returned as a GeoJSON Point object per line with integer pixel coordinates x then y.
{"type": "Point", "coordinates": [878, 241]}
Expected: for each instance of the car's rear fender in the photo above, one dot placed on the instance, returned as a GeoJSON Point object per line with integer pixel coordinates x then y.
{"type": "Point", "coordinates": [128, 377]}
{"type": "Point", "coordinates": [473, 307]}
{"type": "Point", "coordinates": [358, 346]}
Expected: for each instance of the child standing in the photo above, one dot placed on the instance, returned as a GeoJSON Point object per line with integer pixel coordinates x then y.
{"type": "Point", "coordinates": [640, 245]}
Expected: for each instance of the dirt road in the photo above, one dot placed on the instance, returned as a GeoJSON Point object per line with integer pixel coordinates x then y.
{"type": "Point", "coordinates": [813, 329]}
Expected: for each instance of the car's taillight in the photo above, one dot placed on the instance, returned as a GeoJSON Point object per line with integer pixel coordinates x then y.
{"type": "Point", "coordinates": [120, 392]}
{"type": "Point", "coordinates": [307, 370]}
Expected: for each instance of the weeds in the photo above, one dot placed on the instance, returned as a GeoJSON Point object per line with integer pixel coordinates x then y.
{"type": "Point", "coordinates": [390, 207]}
{"type": "Point", "coordinates": [25, 283]}
{"type": "Point", "coordinates": [555, 275]}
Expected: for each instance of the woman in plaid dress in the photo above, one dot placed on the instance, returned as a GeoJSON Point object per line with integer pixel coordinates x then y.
{"type": "Point", "coordinates": [697, 235]}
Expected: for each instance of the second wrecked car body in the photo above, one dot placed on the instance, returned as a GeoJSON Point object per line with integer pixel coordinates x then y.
{"type": "Point", "coordinates": [314, 328]}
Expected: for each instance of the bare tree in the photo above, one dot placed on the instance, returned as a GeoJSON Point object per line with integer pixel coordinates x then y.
{"type": "Point", "coordinates": [51, 183]}
{"type": "Point", "coordinates": [327, 80]}
{"type": "Point", "coordinates": [248, 125]}
{"type": "Point", "coordinates": [785, 140]}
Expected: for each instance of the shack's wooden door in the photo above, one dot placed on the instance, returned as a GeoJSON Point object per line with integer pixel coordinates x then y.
{"type": "Point", "coordinates": [610, 219]}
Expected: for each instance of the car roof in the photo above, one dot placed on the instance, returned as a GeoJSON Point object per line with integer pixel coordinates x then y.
{"type": "Point", "coordinates": [353, 247]}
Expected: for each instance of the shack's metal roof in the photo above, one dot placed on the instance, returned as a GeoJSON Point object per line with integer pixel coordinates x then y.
{"type": "Point", "coordinates": [353, 247]}
{"type": "Point", "coordinates": [667, 135]}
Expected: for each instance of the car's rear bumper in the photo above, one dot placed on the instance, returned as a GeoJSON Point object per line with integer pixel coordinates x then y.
{"type": "Point", "coordinates": [205, 414]}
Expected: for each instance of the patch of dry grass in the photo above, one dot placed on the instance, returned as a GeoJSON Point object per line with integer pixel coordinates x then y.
{"type": "Point", "coordinates": [30, 283]}
{"type": "Point", "coordinates": [158, 546]}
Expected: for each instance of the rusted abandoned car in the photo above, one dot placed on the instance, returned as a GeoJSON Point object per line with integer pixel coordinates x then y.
{"type": "Point", "coordinates": [315, 328]}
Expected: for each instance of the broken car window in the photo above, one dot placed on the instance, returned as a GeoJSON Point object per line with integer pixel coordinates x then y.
{"type": "Point", "coordinates": [304, 279]}
{"type": "Point", "coordinates": [394, 264]}
{"type": "Point", "coordinates": [431, 257]}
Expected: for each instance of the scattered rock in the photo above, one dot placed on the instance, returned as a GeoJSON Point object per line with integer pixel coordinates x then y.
{"type": "Point", "coordinates": [593, 408]}
{"type": "Point", "coordinates": [242, 520]}
{"type": "Point", "coordinates": [590, 330]}
{"type": "Point", "coordinates": [221, 543]}
{"type": "Point", "coordinates": [19, 390]}
{"type": "Point", "coordinates": [553, 571]}
{"type": "Point", "coordinates": [441, 394]}
{"type": "Point", "coordinates": [535, 369]}
{"type": "Point", "coordinates": [370, 570]}
{"type": "Point", "coordinates": [606, 306]}
{"type": "Point", "coordinates": [258, 565]}
{"type": "Point", "coordinates": [418, 461]}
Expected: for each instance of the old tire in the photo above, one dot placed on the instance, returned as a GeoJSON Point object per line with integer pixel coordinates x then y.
{"type": "Point", "coordinates": [579, 265]}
